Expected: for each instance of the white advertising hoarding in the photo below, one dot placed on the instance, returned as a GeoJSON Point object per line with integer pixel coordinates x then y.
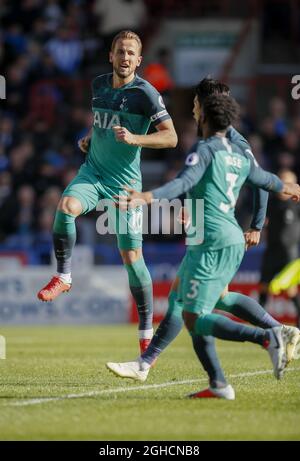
{"type": "Point", "coordinates": [98, 295]}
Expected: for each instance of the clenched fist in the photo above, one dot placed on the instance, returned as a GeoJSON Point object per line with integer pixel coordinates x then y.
{"type": "Point", "coordinates": [123, 135]}
{"type": "Point", "coordinates": [252, 238]}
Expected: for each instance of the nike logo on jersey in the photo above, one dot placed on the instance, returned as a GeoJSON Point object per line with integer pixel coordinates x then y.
{"type": "Point", "coordinates": [122, 105]}
{"type": "Point", "coordinates": [106, 120]}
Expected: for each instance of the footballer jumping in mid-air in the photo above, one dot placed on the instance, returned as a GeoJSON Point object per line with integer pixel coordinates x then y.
{"type": "Point", "coordinates": [216, 175]}
{"type": "Point", "coordinates": [124, 105]}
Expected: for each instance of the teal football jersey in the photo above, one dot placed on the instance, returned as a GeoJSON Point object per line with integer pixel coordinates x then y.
{"type": "Point", "coordinates": [214, 173]}
{"type": "Point", "coordinates": [237, 138]}
{"type": "Point", "coordinates": [134, 106]}
{"type": "Point", "coordinates": [227, 171]}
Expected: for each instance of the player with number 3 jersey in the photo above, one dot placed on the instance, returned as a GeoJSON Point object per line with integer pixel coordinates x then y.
{"type": "Point", "coordinates": [216, 173]}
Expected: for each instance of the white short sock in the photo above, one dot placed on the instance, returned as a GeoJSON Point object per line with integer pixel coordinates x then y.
{"type": "Point", "coordinates": [66, 278]}
{"type": "Point", "coordinates": [146, 334]}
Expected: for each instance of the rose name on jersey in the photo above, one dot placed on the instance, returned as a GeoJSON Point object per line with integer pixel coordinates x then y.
{"type": "Point", "coordinates": [106, 120]}
{"type": "Point", "coordinates": [234, 161]}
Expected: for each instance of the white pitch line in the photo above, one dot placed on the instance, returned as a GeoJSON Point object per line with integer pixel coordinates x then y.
{"type": "Point", "coordinates": [23, 403]}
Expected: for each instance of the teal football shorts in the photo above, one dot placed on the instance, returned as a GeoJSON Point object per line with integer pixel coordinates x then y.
{"type": "Point", "coordinates": [204, 274]}
{"type": "Point", "coordinates": [89, 190]}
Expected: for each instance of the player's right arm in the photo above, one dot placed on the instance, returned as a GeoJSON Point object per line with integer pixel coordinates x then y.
{"type": "Point", "coordinates": [84, 143]}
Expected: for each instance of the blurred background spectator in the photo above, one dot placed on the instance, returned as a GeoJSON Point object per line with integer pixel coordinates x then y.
{"type": "Point", "coordinates": [116, 15]}
{"type": "Point", "coordinates": [283, 229]}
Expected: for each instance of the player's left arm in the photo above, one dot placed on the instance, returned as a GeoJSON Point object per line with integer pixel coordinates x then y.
{"type": "Point", "coordinates": [164, 137]}
{"type": "Point", "coordinates": [195, 167]}
{"type": "Point", "coordinates": [258, 177]}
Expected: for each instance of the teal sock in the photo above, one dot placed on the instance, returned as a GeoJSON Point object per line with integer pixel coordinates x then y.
{"type": "Point", "coordinates": [64, 238]}
{"type": "Point", "coordinates": [247, 309]}
{"type": "Point", "coordinates": [168, 329]}
{"type": "Point", "coordinates": [204, 346]}
{"type": "Point", "coordinates": [222, 327]}
{"type": "Point", "coordinates": [140, 284]}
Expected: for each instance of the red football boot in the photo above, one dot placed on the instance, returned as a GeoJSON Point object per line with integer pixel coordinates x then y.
{"type": "Point", "coordinates": [215, 393]}
{"type": "Point", "coordinates": [53, 289]}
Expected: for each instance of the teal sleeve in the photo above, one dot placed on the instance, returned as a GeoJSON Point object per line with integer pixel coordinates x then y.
{"type": "Point", "coordinates": [260, 178]}
{"type": "Point", "coordinates": [153, 105]}
{"type": "Point", "coordinates": [196, 166]}
{"type": "Point", "coordinates": [260, 205]}
{"type": "Point", "coordinates": [234, 136]}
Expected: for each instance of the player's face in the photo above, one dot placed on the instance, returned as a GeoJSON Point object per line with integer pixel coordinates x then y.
{"type": "Point", "coordinates": [196, 110]}
{"type": "Point", "coordinates": [197, 114]}
{"type": "Point", "coordinates": [125, 57]}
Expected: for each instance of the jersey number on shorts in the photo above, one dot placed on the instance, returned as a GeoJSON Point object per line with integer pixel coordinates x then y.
{"type": "Point", "coordinates": [194, 289]}
{"type": "Point", "coordinates": [231, 178]}
{"type": "Point", "coordinates": [136, 220]}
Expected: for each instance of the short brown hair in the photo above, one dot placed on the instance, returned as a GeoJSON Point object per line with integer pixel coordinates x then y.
{"type": "Point", "coordinates": [129, 35]}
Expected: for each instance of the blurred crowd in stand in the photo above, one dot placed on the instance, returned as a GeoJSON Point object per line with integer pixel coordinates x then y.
{"type": "Point", "coordinates": [49, 52]}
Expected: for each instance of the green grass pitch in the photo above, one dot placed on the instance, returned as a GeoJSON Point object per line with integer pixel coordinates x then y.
{"type": "Point", "coordinates": [67, 366]}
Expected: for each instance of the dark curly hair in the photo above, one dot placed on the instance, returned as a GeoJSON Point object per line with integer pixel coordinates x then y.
{"type": "Point", "coordinates": [220, 111]}
{"type": "Point", "coordinates": [209, 86]}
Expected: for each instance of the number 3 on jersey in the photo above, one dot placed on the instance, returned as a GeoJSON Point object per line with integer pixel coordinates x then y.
{"type": "Point", "coordinates": [231, 178]}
